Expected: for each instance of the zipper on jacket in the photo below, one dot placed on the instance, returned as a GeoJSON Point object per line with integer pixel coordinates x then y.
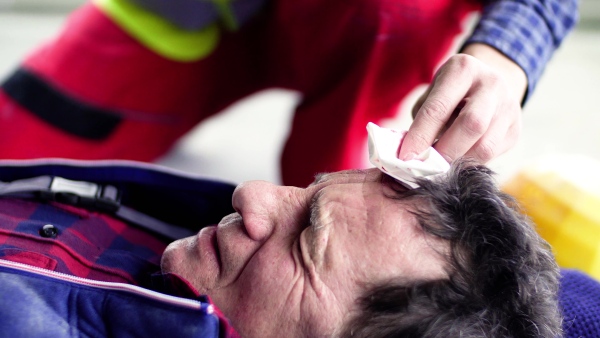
{"type": "Point", "coordinates": [178, 301]}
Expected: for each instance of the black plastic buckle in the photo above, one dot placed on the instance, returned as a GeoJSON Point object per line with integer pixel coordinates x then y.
{"type": "Point", "coordinates": [104, 198]}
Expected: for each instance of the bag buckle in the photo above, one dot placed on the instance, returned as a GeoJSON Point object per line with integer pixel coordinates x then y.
{"type": "Point", "coordinates": [85, 194]}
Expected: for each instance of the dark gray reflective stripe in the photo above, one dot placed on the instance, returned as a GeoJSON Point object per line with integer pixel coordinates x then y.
{"type": "Point", "coordinates": [59, 110]}
{"type": "Point", "coordinates": [185, 14]}
{"type": "Point", "coordinates": [197, 14]}
{"type": "Point", "coordinates": [152, 224]}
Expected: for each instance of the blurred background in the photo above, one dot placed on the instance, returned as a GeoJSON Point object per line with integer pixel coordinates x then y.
{"type": "Point", "coordinates": [561, 117]}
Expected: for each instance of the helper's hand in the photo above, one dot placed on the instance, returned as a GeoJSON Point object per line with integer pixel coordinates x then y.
{"type": "Point", "coordinates": [473, 107]}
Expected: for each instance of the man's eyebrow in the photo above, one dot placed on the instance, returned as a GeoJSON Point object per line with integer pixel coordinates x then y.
{"type": "Point", "coordinates": [315, 210]}
{"type": "Point", "coordinates": [319, 178]}
{"type": "Point", "coordinates": [325, 176]}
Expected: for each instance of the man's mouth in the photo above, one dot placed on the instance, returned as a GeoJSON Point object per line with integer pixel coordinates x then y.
{"type": "Point", "coordinates": [218, 234]}
{"type": "Point", "coordinates": [208, 246]}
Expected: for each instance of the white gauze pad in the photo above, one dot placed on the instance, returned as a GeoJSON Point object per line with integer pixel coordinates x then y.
{"type": "Point", "coordinates": [383, 153]}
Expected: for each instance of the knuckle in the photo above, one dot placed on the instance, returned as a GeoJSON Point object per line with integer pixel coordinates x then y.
{"type": "Point", "coordinates": [462, 62]}
{"type": "Point", "coordinates": [497, 82]}
{"type": "Point", "coordinates": [473, 124]}
{"type": "Point", "coordinates": [494, 80]}
{"type": "Point", "coordinates": [435, 110]}
{"type": "Point", "coordinates": [486, 151]}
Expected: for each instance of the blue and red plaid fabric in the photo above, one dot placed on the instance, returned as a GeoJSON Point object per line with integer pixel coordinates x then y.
{"type": "Point", "coordinates": [101, 247]}
{"type": "Point", "coordinates": [527, 31]}
{"type": "Point", "coordinates": [95, 245]}
{"type": "Point", "coordinates": [88, 244]}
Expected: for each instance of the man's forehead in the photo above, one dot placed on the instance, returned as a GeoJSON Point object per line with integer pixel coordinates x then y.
{"type": "Point", "coordinates": [348, 176]}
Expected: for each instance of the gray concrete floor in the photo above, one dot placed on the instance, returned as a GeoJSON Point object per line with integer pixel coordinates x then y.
{"type": "Point", "coordinates": [562, 116]}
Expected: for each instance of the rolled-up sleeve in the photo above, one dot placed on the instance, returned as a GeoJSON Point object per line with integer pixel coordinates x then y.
{"type": "Point", "coordinates": [526, 31]}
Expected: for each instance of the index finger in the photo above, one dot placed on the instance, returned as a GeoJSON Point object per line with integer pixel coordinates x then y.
{"type": "Point", "coordinates": [449, 88]}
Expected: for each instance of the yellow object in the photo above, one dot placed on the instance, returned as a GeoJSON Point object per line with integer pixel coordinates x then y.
{"type": "Point", "coordinates": [159, 35]}
{"type": "Point", "coordinates": [561, 194]}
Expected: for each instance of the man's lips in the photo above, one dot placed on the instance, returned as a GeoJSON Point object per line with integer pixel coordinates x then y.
{"type": "Point", "coordinates": [208, 245]}
{"type": "Point", "coordinates": [208, 240]}
{"type": "Point", "coordinates": [232, 246]}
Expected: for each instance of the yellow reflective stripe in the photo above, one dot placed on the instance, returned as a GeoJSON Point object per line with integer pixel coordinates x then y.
{"type": "Point", "coordinates": [158, 34]}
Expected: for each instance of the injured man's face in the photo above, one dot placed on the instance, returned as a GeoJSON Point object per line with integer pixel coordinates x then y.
{"type": "Point", "coordinates": [357, 254]}
{"type": "Point", "coordinates": [295, 259]}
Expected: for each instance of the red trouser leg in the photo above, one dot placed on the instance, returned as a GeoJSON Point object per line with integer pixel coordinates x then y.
{"type": "Point", "coordinates": [94, 64]}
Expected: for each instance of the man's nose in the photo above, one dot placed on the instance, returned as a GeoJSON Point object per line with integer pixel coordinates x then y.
{"type": "Point", "coordinates": [265, 206]}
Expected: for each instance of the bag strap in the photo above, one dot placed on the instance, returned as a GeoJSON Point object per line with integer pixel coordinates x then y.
{"type": "Point", "coordinates": [89, 195]}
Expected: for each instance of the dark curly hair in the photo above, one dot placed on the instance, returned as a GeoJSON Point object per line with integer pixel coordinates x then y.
{"type": "Point", "coordinates": [503, 279]}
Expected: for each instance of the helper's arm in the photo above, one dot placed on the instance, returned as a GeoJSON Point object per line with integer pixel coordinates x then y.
{"type": "Point", "coordinates": [473, 106]}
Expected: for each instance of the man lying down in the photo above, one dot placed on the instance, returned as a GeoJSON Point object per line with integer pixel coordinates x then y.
{"type": "Point", "coordinates": [355, 254]}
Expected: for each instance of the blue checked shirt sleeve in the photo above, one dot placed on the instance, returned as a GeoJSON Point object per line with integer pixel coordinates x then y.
{"type": "Point", "coordinates": [527, 31]}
